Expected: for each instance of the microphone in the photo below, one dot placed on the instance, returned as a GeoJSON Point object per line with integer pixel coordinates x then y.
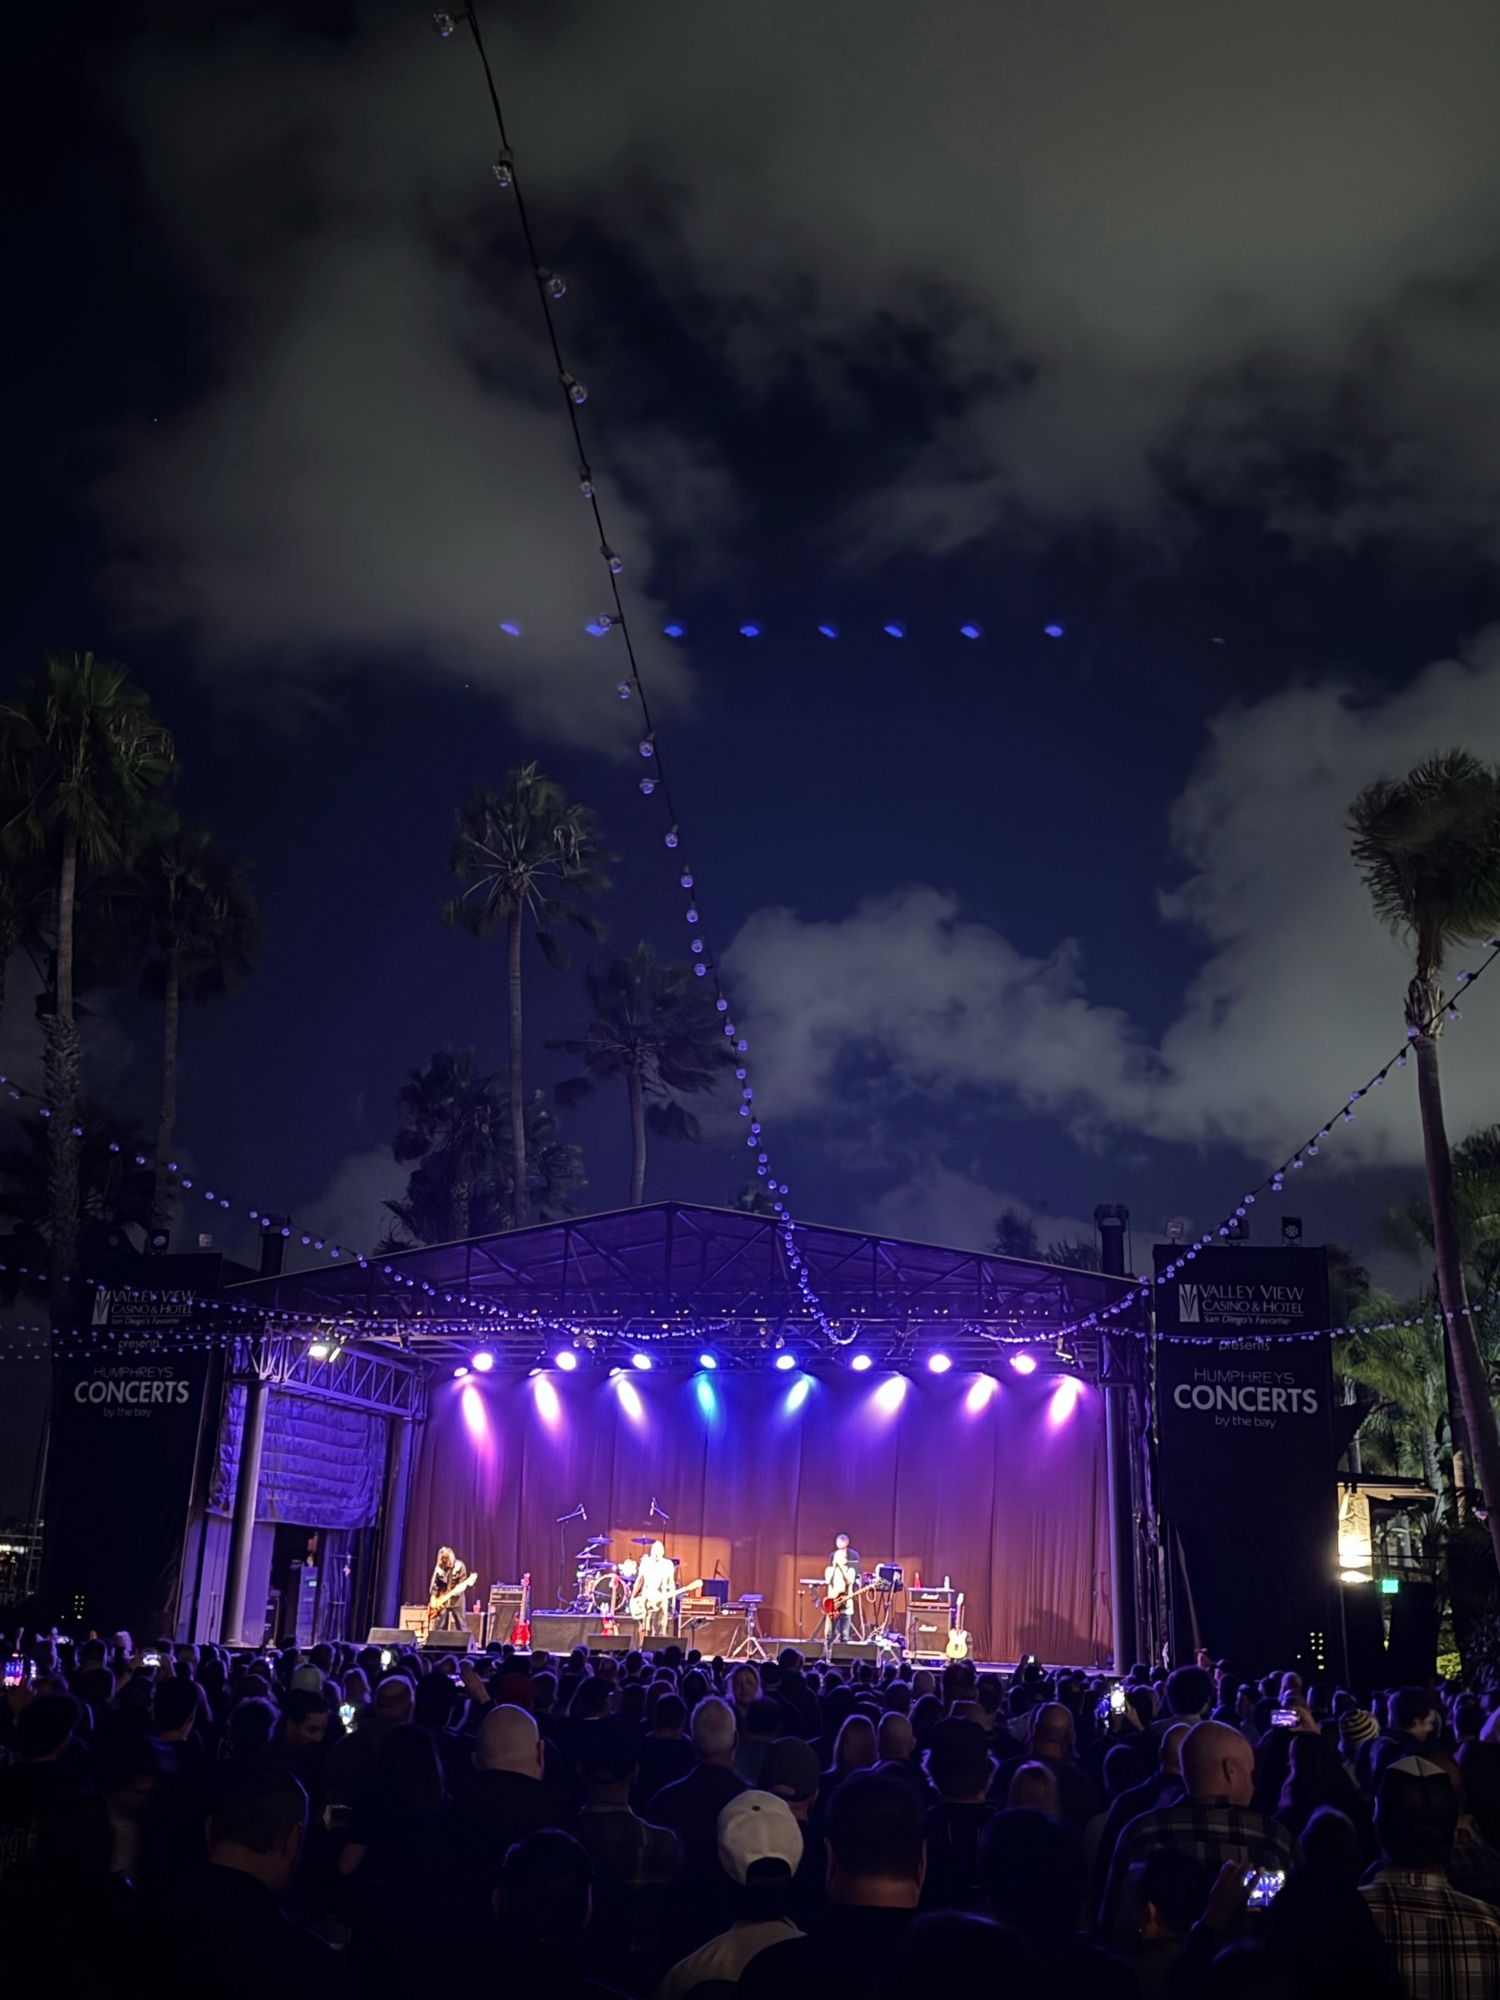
{"type": "Point", "coordinates": [582, 1512]}
{"type": "Point", "coordinates": [576, 1515]}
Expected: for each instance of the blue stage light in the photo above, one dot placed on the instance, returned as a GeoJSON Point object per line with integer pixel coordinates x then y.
{"type": "Point", "coordinates": [798, 1394]}
{"type": "Point", "coordinates": [894, 631]}
{"type": "Point", "coordinates": [640, 1360]}
{"type": "Point", "coordinates": [939, 1363]}
{"type": "Point", "coordinates": [597, 627]}
{"type": "Point", "coordinates": [1054, 631]}
{"type": "Point", "coordinates": [483, 1361]}
{"type": "Point", "coordinates": [510, 628]}
{"type": "Point", "coordinates": [861, 1362]}
{"type": "Point", "coordinates": [829, 631]}
{"type": "Point", "coordinates": [972, 631]}
{"type": "Point", "coordinates": [750, 631]}
{"type": "Point", "coordinates": [566, 1359]}
{"type": "Point", "coordinates": [707, 1361]}
{"type": "Point", "coordinates": [785, 1361]}
{"type": "Point", "coordinates": [708, 1401]}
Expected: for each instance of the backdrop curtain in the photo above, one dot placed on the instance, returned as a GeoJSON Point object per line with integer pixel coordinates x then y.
{"type": "Point", "coordinates": [759, 1470]}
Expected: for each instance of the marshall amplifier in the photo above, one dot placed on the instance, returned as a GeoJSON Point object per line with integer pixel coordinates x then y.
{"type": "Point", "coordinates": [929, 1620]}
{"type": "Point", "coordinates": [506, 1600]}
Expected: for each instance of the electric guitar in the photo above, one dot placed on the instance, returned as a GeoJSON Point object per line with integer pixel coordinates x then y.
{"type": "Point", "coordinates": [520, 1630]}
{"type": "Point", "coordinates": [957, 1647]}
{"type": "Point", "coordinates": [837, 1596]}
{"type": "Point", "coordinates": [440, 1602]}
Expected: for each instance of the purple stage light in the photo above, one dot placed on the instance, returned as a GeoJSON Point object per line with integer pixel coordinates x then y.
{"type": "Point", "coordinates": [548, 1402]}
{"type": "Point", "coordinates": [640, 1360]}
{"type": "Point", "coordinates": [891, 1394]}
{"type": "Point", "coordinates": [785, 1361]}
{"type": "Point", "coordinates": [1064, 1400]}
{"type": "Point", "coordinates": [861, 1362]}
{"type": "Point", "coordinates": [630, 1400]}
{"type": "Point", "coordinates": [510, 628]}
{"type": "Point", "coordinates": [318, 1350]}
{"type": "Point", "coordinates": [981, 1393]}
{"type": "Point", "coordinates": [939, 1363]}
{"type": "Point", "coordinates": [707, 1361]}
{"type": "Point", "coordinates": [1024, 1364]}
{"type": "Point", "coordinates": [476, 1417]}
{"type": "Point", "coordinates": [597, 627]}
{"type": "Point", "coordinates": [565, 1359]}
{"type": "Point", "coordinates": [483, 1361]}
{"type": "Point", "coordinates": [460, 1371]}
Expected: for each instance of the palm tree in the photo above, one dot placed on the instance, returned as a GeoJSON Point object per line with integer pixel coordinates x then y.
{"type": "Point", "coordinates": [455, 1113]}
{"type": "Point", "coordinates": [1015, 1235]}
{"type": "Point", "coordinates": [1404, 1367]}
{"type": "Point", "coordinates": [461, 1184]}
{"type": "Point", "coordinates": [114, 1193]}
{"type": "Point", "coordinates": [654, 1026]}
{"type": "Point", "coordinates": [1428, 848]}
{"type": "Point", "coordinates": [754, 1198]}
{"type": "Point", "coordinates": [90, 757]}
{"type": "Point", "coordinates": [526, 850]}
{"type": "Point", "coordinates": [197, 926]}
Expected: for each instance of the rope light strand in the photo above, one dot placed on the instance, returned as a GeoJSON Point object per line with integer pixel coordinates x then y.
{"type": "Point", "coordinates": [1275, 1180]}
{"type": "Point", "coordinates": [654, 780]}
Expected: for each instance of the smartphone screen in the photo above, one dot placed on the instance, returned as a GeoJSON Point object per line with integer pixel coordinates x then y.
{"type": "Point", "coordinates": [15, 1671]}
{"type": "Point", "coordinates": [151, 1659]}
{"type": "Point", "coordinates": [1284, 1718]}
{"type": "Point", "coordinates": [346, 1714]}
{"type": "Point", "coordinates": [1265, 1885]}
{"type": "Point", "coordinates": [385, 1657]}
{"type": "Point", "coordinates": [1117, 1701]}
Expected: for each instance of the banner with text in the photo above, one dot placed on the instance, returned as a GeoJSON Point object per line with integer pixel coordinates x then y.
{"type": "Point", "coordinates": [126, 1423]}
{"type": "Point", "coordinates": [1247, 1472]}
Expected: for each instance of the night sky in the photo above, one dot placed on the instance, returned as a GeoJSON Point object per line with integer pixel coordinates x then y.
{"type": "Point", "coordinates": [1177, 327]}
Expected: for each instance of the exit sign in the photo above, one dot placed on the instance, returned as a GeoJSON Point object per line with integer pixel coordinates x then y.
{"type": "Point", "coordinates": [1389, 1585]}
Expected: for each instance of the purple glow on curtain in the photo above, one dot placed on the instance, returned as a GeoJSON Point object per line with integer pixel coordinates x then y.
{"type": "Point", "coordinates": [548, 1402]}
{"type": "Point", "coordinates": [981, 1389]}
{"type": "Point", "coordinates": [1064, 1400]}
{"type": "Point", "coordinates": [630, 1399]}
{"type": "Point", "coordinates": [1011, 1504]}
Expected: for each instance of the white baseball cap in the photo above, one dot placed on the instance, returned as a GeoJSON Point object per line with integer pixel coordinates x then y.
{"type": "Point", "coordinates": [757, 1826]}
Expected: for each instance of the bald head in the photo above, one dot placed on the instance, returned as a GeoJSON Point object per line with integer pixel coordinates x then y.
{"type": "Point", "coordinates": [1218, 1763]}
{"type": "Point", "coordinates": [1052, 1731]}
{"type": "Point", "coordinates": [1171, 1747]}
{"type": "Point", "coordinates": [509, 1741]}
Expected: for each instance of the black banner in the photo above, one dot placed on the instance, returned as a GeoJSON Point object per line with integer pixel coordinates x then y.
{"type": "Point", "coordinates": [1247, 1463]}
{"type": "Point", "coordinates": [126, 1420]}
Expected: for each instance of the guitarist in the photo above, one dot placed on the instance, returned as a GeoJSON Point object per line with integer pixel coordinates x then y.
{"type": "Point", "coordinates": [444, 1598]}
{"type": "Point", "coordinates": [840, 1581]}
{"type": "Point", "coordinates": [656, 1592]}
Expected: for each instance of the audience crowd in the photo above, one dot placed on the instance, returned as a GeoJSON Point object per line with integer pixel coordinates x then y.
{"type": "Point", "coordinates": [662, 1825]}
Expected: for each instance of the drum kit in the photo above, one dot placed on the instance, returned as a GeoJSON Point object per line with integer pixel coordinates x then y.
{"type": "Point", "coordinates": [602, 1586]}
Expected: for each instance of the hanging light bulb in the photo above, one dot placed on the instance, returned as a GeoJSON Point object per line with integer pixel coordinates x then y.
{"type": "Point", "coordinates": [648, 786]}
{"type": "Point", "coordinates": [552, 284]}
{"type": "Point", "coordinates": [622, 689]}
{"type": "Point", "coordinates": [577, 393]}
{"type": "Point", "coordinates": [586, 482]}
{"type": "Point", "coordinates": [443, 24]}
{"type": "Point", "coordinates": [615, 564]}
{"type": "Point", "coordinates": [505, 166]}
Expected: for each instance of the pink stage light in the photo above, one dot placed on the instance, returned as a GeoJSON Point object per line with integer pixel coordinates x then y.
{"type": "Point", "coordinates": [566, 1359]}
{"type": "Point", "coordinates": [476, 1416]}
{"type": "Point", "coordinates": [1024, 1364]}
{"type": "Point", "coordinates": [981, 1392]}
{"type": "Point", "coordinates": [1064, 1400]}
{"type": "Point", "coordinates": [483, 1361]}
{"type": "Point", "coordinates": [939, 1363]}
{"type": "Point", "coordinates": [548, 1402]}
{"type": "Point", "coordinates": [891, 1394]}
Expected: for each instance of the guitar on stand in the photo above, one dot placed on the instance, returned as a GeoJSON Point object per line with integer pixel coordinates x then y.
{"type": "Point", "coordinates": [958, 1647]}
{"type": "Point", "coordinates": [520, 1631]}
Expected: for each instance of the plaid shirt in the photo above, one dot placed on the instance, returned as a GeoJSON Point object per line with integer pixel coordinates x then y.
{"type": "Point", "coordinates": [1446, 1946]}
{"type": "Point", "coordinates": [1211, 1829]}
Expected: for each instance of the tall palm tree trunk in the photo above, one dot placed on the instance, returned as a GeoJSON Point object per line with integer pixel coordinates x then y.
{"type": "Point", "coordinates": [462, 1205]}
{"type": "Point", "coordinates": [520, 1192]}
{"type": "Point", "coordinates": [636, 1090]}
{"type": "Point", "coordinates": [166, 1124]}
{"type": "Point", "coordinates": [9, 933]}
{"type": "Point", "coordinates": [61, 1072]}
{"type": "Point", "coordinates": [1424, 1005]}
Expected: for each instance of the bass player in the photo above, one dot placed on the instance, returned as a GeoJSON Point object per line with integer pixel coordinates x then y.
{"type": "Point", "coordinates": [840, 1582]}
{"type": "Point", "coordinates": [445, 1593]}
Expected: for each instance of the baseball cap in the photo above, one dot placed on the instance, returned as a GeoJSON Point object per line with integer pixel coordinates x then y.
{"type": "Point", "coordinates": [757, 1827]}
{"type": "Point", "coordinates": [791, 1769]}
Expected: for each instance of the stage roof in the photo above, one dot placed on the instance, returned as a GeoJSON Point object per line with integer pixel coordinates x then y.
{"type": "Point", "coordinates": [672, 1271]}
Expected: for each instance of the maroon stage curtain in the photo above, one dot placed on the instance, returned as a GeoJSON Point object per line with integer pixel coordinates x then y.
{"type": "Point", "coordinates": [759, 1470]}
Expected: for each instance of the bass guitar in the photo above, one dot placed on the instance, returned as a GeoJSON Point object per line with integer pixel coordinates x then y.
{"type": "Point", "coordinates": [520, 1630]}
{"type": "Point", "coordinates": [439, 1603]}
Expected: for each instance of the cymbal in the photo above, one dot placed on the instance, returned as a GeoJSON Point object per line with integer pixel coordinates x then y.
{"type": "Point", "coordinates": [643, 1541]}
{"type": "Point", "coordinates": [596, 1541]}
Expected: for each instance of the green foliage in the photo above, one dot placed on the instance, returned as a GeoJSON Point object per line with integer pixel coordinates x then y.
{"type": "Point", "coordinates": [526, 848]}
{"type": "Point", "coordinates": [1428, 850]}
{"type": "Point", "coordinates": [114, 1193]}
{"type": "Point", "coordinates": [456, 1131]}
{"type": "Point", "coordinates": [754, 1198]}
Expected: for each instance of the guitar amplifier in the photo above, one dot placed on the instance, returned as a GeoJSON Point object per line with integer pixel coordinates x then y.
{"type": "Point", "coordinates": [717, 1587]}
{"type": "Point", "coordinates": [414, 1616]}
{"type": "Point", "coordinates": [506, 1600]}
{"type": "Point", "coordinates": [929, 1620]}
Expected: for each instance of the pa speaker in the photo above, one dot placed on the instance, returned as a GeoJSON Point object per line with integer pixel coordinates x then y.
{"type": "Point", "coordinates": [1412, 1656]}
{"type": "Point", "coordinates": [391, 1635]}
{"type": "Point", "coordinates": [449, 1642]}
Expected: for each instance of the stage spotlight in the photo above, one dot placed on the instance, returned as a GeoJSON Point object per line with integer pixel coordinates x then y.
{"type": "Point", "coordinates": [1024, 1364]}
{"type": "Point", "coordinates": [708, 1401]}
{"type": "Point", "coordinates": [981, 1390]}
{"type": "Point", "coordinates": [707, 1361]}
{"type": "Point", "coordinates": [639, 1360]}
{"type": "Point", "coordinates": [318, 1351]}
{"type": "Point", "coordinates": [891, 1394]}
{"type": "Point", "coordinates": [630, 1401]}
{"type": "Point", "coordinates": [1064, 1400]}
{"type": "Point", "coordinates": [939, 1363]}
{"type": "Point", "coordinates": [615, 1372]}
{"type": "Point", "coordinates": [460, 1371]}
{"type": "Point", "coordinates": [483, 1361]}
{"type": "Point", "coordinates": [860, 1363]}
{"type": "Point", "coordinates": [785, 1361]}
{"type": "Point", "coordinates": [566, 1359]}
{"type": "Point", "coordinates": [798, 1394]}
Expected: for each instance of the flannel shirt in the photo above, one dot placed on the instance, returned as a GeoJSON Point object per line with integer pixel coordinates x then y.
{"type": "Point", "coordinates": [1446, 1946]}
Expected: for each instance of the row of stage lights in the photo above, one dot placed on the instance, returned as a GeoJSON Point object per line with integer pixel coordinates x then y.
{"type": "Point", "coordinates": [483, 1360]}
